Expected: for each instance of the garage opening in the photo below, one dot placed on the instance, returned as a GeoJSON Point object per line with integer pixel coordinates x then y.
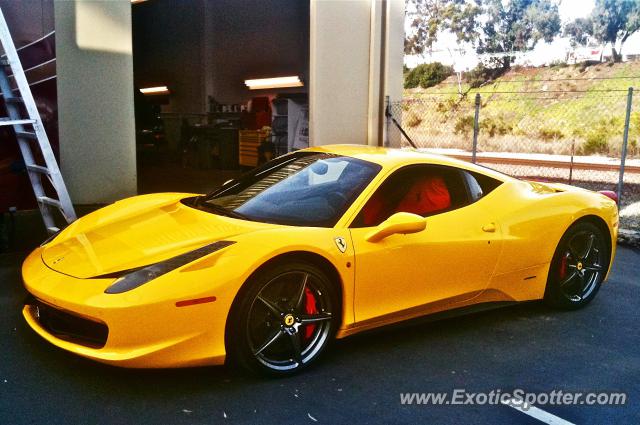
{"type": "Point", "coordinates": [219, 87]}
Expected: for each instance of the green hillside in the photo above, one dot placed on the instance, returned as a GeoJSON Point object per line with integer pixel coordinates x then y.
{"type": "Point", "coordinates": [539, 110]}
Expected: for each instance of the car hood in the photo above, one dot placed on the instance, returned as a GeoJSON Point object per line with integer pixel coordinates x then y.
{"type": "Point", "coordinates": [136, 232]}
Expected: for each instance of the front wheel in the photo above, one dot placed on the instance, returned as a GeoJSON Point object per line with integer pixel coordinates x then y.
{"type": "Point", "coordinates": [284, 319]}
{"type": "Point", "coordinates": [578, 267]}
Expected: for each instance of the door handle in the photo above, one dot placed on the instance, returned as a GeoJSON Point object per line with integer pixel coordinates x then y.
{"type": "Point", "coordinates": [489, 228]}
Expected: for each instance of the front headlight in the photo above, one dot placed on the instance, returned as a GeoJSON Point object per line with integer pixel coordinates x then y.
{"type": "Point", "coordinates": [141, 276]}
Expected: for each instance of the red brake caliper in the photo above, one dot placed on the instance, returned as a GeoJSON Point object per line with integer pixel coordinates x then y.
{"type": "Point", "coordinates": [563, 267]}
{"type": "Point", "coordinates": [310, 308]}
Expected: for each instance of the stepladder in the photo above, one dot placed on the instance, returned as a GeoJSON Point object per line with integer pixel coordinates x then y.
{"type": "Point", "coordinates": [23, 116]}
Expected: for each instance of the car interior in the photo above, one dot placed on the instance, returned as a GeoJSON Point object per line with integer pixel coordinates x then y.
{"type": "Point", "coordinates": [423, 190]}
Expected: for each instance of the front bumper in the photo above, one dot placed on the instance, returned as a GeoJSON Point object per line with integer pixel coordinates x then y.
{"type": "Point", "coordinates": [145, 328]}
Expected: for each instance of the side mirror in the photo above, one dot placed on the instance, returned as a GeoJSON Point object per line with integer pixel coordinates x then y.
{"type": "Point", "coordinates": [401, 222]}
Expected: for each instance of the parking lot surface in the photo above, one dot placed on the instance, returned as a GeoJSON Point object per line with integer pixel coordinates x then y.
{"type": "Point", "coordinates": [528, 347]}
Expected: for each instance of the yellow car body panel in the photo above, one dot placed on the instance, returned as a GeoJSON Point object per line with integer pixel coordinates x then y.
{"type": "Point", "coordinates": [496, 249]}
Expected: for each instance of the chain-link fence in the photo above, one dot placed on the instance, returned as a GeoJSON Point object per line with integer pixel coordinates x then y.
{"type": "Point", "coordinates": [567, 136]}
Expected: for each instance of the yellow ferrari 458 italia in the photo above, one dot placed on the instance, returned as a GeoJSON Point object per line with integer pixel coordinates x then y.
{"type": "Point", "coordinates": [318, 244]}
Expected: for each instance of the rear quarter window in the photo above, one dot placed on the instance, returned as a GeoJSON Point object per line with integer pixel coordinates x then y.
{"type": "Point", "coordinates": [479, 185]}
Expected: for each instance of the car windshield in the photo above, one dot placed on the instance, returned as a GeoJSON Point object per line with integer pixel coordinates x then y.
{"type": "Point", "coordinates": [299, 189]}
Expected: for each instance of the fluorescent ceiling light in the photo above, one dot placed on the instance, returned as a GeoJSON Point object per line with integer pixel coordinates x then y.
{"type": "Point", "coordinates": [273, 83]}
{"type": "Point", "coordinates": [155, 90]}
{"type": "Point", "coordinates": [137, 1]}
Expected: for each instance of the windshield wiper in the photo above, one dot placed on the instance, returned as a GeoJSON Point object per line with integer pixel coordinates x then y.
{"type": "Point", "coordinates": [219, 209]}
{"type": "Point", "coordinates": [196, 200]}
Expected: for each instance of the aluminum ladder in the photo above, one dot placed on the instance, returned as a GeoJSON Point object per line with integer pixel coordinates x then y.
{"type": "Point", "coordinates": [30, 132]}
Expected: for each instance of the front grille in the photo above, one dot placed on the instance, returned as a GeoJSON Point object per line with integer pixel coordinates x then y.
{"type": "Point", "coordinates": [68, 326]}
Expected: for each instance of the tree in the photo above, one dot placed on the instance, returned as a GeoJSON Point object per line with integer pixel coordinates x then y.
{"type": "Point", "coordinates": [491, 26]}
{"type": "Point", "coordinates": [579, 31]}
{"type": "Point", "coordinates": [430, 17]}
{"type": "Point", "coordinates": [611, 21]}
{"type": "Point", "coordinates": [516, 26]}
{"type": "Point", "coordinates": [614, 21]}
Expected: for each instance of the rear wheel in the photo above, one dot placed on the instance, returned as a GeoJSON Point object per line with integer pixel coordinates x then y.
{"type": "Point", "coordinates": [578, 267]}
{"type": "Point", "coordinates": [284, 320]}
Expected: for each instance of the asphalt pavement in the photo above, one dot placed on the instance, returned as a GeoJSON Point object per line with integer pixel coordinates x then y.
{"type": "Point", "coordinates": [528, 347]}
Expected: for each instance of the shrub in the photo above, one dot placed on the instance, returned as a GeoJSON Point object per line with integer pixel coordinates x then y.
{"type": "Point", "coordinates": [446, 105]}
{"type": "Point", "coordinates": [634, 126]}
{"type": "Point", "coordinates": [548, 134]}
{"type": "Point", "coordinates": [596, 142]}
{"type": "Point", "coordinates": [495, 126]}
{"type": "Point", "coordinates": [558, 63]}
{"type": "Point", "coordinates": [464, 125]}
{"type": "Point", "coordinates": [583, 66]}
{"type": "Point", "coordinates": [579, 132]}
{"type": "Point", "coordinates": [596, 139]}
{"type": "Point", "coordinates": [427, 75]}
{"type": "Point", "coordinates": [598, 135]}
{"type": "Point", "coordinates": [632, 149]}
{"type": "Point", "coordinates": [413, 120]}
{"type": "Point", "coordinates": [482, 74]}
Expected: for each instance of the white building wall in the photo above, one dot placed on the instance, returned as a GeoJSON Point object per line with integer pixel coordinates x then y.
{"type": "Point", "coordinates": [346, 49]}
{"type": "Point", "coordinates": [95, 99]}
{"type": "Point", "coordinates": [339, 71]}
{"type": "Point", "coordinates": [394, 58]}
{"type": "Point", "coordinates": [95, 81]}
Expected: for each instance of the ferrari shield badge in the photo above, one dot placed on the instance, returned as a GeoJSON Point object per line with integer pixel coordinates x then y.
{"type": "Point", "coordinates": [289, 320]}
{"type": "Point", "coordinates": [341, 243]}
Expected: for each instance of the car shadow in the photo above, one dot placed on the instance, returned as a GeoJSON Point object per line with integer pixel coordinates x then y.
{"type": "Point", "coordinates": [346, 354]}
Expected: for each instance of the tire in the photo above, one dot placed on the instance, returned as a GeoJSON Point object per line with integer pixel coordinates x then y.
{"type": "Point", "coordinates": [578, 267]}
{"type": "Point", "coordinates": [283, 319]}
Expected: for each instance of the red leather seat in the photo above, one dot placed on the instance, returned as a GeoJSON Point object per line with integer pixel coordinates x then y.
{"type": "Point", "coordinates": [372, 210]}
{"type": "Point", "coordinates": [426, 196]}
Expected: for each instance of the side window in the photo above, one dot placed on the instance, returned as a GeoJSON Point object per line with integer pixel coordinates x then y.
{"type": "Point", "coordinates": [479, 185]}
{"type": "Point", "coordinates": [419, 189]}
{"type": "Point", "coordinates": [475, 191]}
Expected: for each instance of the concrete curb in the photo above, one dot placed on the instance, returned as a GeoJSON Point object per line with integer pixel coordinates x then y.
{"type": "Point", "coordinates": [629, 237]}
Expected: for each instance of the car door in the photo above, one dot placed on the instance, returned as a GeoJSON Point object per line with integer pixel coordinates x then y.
{"type": "Point", "coordinates": [451, 261]}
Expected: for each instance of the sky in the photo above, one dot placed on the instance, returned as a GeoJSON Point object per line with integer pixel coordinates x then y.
{"type": "Point", "coordinates": [572, 9]}
{"type": "Point", "coordinates": [543, 53]}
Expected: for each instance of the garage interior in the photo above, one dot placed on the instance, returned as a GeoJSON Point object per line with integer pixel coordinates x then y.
{"type": "Point", "coordinates": [203, 126]}
{"type": "Point", "coordinates": [197, 119]}
{"type": "Point", "coordinates": [149, 96]}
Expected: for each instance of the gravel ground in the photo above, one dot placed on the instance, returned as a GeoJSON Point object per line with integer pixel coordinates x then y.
{"type": "Point", "coordinates": [630, 216]}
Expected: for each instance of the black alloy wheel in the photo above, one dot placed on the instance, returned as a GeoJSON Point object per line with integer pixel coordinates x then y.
{"type": "Point", "coordinates": [285, 320]}
{"type": "Point", "coordinates": [578, 268]}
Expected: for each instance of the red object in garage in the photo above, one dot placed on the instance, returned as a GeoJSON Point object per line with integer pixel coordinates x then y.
{"type": "Point", "coordinates": [259, 113]}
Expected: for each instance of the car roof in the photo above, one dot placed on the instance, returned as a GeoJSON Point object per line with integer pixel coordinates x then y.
{"type": "Point", "coordinates": [393, 157]}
